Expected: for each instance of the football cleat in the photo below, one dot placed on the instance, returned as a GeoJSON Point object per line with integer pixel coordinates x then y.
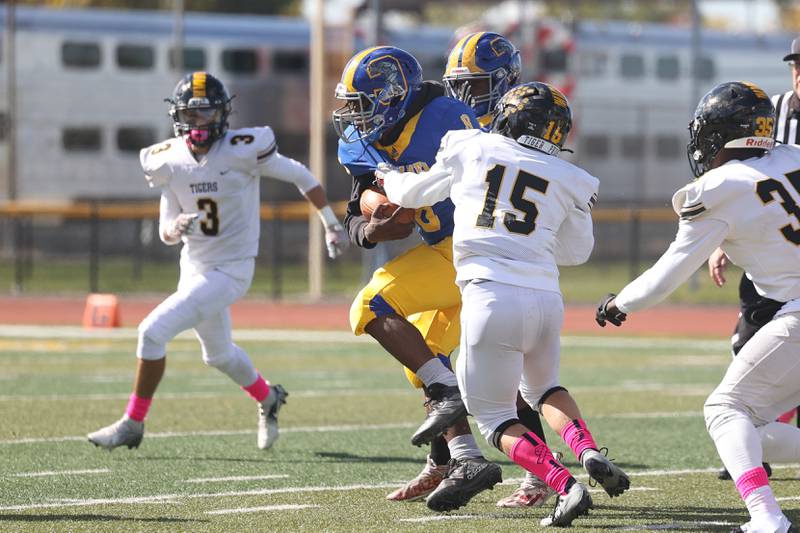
{"type": "Point", "coordinates": [268, 416]}
{"type": "Point", "coordinates": [464, 479]}
{"type": "Point", "coordinates": [724, 475]}
{"type": "Point", "coordinates": [123, 432]}
{"type": "Point", "coordinates": [446, 408]}
{"type": "Point", "coordinates": [611, 477]}
{"type": "Point", "coordinates": [422, 485]}
{"type": "Point", "coordinates": [532, 492]}
{"type": "Point", "coordinates": [574, 503]}
{"type": "Point", "coordinates": [783, 526]}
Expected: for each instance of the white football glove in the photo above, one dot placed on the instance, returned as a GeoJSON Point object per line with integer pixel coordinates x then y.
{"type": "Point", "coordinates": [336, 239]}
{"type": "Point", "coordinates": [182, 225]}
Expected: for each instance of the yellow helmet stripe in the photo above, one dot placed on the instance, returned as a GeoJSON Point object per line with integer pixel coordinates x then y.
{"type": "Point", "coordinates": [468, 55]}
{"type": "Point", "coordinates": [199, 85]}
{"type": "Point", "coordinates": [455, 54]}
{"type": "Point", "coordinates": [350, 69]}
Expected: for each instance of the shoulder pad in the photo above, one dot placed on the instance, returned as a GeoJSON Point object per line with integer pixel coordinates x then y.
{"type": "Point", "coordinates": [358, 157]}
{"type": "Point", "coordinates": [155, 161]}
{"type": "Point", "coordinates": [251, 145]}
{"type": "Point", "coordinates": [707, 192]}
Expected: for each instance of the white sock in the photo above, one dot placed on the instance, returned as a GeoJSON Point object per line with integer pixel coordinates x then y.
{"type": "Point", "coordinates": [781, 442]}
{"type": "Point", "coordinates": [763, 507]}
{"type": "Point", "coordinates": [464, 447]}
{"type": "Point", "coordinates": [434, 371]}
{"type": "Point", "coordinates": [737, 441]}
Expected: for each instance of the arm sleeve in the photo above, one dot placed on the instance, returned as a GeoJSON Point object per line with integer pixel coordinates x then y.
{"type": "Point", "coordinates": [169, 209]}
{"type": "Point", "coordinates": [575, 238]}
{"type": "Point", "coordinates": [354, 221]}
{"type": "Point", "coordinates": [287, 169]}
{"type": "Point", "coordinates": [693, 244]}
{"type": "Point", "coordinates": [408, 189]}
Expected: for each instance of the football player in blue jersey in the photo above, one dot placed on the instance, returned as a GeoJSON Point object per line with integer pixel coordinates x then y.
{"type": "Point", "coordinates": [481, 68]}
{"type": "Point", "coordinates": [411, 305]}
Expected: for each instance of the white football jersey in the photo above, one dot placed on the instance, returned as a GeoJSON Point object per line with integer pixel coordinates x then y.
{"type": "Point", "coordinates": [519, 212]}
{"type": "Point", "coordinates": [750, 209]}
{"type": "Point", "coordinates": [222, 188]}
{"type": "Point", "coordinates": [759, 200]}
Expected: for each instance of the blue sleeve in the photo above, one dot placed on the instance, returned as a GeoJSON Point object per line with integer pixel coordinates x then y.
{"type": "Point", "coordinates": [358, 157]}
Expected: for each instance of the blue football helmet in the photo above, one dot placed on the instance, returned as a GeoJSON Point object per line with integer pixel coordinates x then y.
{"type": "Point", "coordinates": [481, 68]}
{"type": "Point", "coordinates": [376, 86]}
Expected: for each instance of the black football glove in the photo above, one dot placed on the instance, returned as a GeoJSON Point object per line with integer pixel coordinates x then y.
{"type": "Point", "coordinates": [612, 315]}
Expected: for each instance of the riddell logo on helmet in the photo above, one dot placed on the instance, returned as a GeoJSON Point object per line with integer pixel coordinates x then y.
{"type": "Point", "coordinates": [759, 142]}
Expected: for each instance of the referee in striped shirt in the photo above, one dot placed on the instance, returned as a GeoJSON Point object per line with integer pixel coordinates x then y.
{"type": "Point", "coordinates": [787, 105]}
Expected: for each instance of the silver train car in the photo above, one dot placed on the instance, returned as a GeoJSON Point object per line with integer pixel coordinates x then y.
{"type": "Point", "coordinates": [91, 83]}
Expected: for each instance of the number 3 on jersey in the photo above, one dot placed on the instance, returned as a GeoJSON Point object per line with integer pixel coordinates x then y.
{"type": "Point", "coordinates": [209, 226]}
{"type": "Point", "coordinates": [524, 180]}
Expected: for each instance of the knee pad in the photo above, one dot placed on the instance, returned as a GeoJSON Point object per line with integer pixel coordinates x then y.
{"type": "Point", "coordinates": [497, 434]}
{"type": "Point", "coordinates": [416, 382]}
{"type": "Point", "coordinates": [150, 346]}
{"type": "Point", "coordinates": [235, 363]}
{"type": "Point", "coordinates": [547, 394]}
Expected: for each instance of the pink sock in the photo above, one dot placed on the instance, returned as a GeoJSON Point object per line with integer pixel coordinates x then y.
{"type": "Point", "coordinates": [534, 456]}
{"type": "Point", "coordinates": [787, 416]}
{"type": "Point", "coordinates": [258, 390]}
{"type": "Point", "coordinates": [753, 479]}
{"type": "Point", "coordinates": [578, 437]}
{"type": "Point", "coordinates": [138, 407]}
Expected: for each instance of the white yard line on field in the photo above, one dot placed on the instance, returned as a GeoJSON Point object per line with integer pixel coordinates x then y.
{"type": "Point", "coordinates": [265, 508]}
{"type": "Point", "coordinates": [223, 433]}
{"type": "Point", "coordinates": [316, 336]}
{"type": "Point", "coordinates": [63, 473]}
{"type": "Point", "coordinates": [159, 498]}
{"type": "Point", "coordinates": [235, 478]}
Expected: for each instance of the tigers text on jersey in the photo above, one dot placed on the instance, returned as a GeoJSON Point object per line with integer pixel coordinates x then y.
{"type": "Point", "coordinates": [414, 150]}
{"type": "Point", "coordinates": [222, 188]}
{"type": "Point", "coordinates": [751, 209]}
{"type": "Point", "coordinates": [519, 212]}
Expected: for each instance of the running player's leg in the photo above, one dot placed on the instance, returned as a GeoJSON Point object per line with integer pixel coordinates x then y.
{"type": "Point", "coordinates": [762, 380]}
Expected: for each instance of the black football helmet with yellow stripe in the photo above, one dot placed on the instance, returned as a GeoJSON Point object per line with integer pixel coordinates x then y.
{"type": "Point", "coordinates": [735, 114]}
{"type": "Point", "coordinates": [534, 114]}
{"type": "Point", "coordinates": [199, 108]}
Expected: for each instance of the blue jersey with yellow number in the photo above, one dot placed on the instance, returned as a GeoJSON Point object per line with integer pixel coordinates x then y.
{"type": "Point", "coordinates": [415, 151]}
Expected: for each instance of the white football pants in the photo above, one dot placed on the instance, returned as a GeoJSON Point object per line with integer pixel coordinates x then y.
{"type": "Point", "coordinates": [761, 383]}
{"type": "Point", "coordinates": [510, 340]}
{"type": "Point", "coordinates": [202, 302]}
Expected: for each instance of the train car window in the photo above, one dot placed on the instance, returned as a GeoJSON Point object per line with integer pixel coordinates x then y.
{"type": "Point", "coordinates": [135, 56]}
{"type": "Point", "coordinates": [553, 60]}
{"type": "Point", "coordinates": [631, 66]}
{"type": "Point", "coordinates": [593, 63]}
{"type": "Point", "coordinates": [193, 59]}
{"type": "Point", "coordinates": [81, 139]}
{"type": "Point", "coordinates": [80, 54]}
{"type": "Point", "coordinates": [667, 68]}
{"type": "Point", "coordinates": [632, 147]}
{"type": "Point", "coordinates": [595, 146]}
{"type": "Point", "coordinates": [290, 62]}
{"type": "Point", "coordinates": [704, 68]}
{"type": "Point", "coordinates": [240, 60]}
{"type": "Point", "coordinates": [668, 146]}
{"type": "Point", "coordinates": [133, 139]}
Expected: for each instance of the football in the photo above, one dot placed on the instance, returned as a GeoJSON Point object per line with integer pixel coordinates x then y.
{"type": "Point", "coordinates": [372, 198]}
